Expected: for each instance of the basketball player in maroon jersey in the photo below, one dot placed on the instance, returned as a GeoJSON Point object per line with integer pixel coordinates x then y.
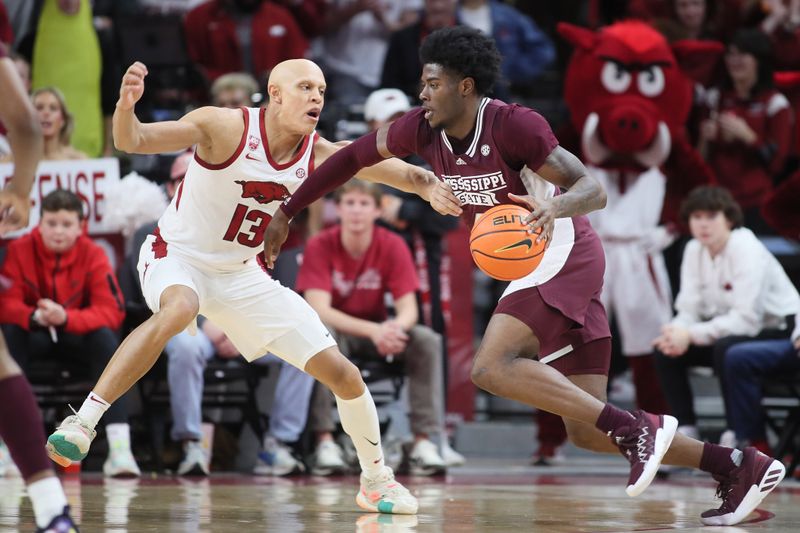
{"type": "Point", "coordinates": [548, 342]}
{"type": "Point", "coordinates": [20, 420]}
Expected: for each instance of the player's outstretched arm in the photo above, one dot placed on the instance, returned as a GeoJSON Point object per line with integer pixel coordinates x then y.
{"type": "Point", "coordinates": [132, 136]}
{"type": "Point", "coordinates": [403, 176]}
{"type": "Point", "coordinates": [337, 164]}
{"type": "Point", "coordinates": [339, 167]}
{"type": "Point", "coordinates": [25, 137]}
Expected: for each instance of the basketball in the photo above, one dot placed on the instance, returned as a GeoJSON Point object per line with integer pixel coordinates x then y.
{"type": "Point", "coordinates": [501, 246]}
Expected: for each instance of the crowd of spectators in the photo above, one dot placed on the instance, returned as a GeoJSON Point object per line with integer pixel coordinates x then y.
{"type": "Point", "coordinates": [735, 304]}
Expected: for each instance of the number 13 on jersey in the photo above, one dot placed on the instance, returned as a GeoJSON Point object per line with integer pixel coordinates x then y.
{"type": "Point", "coordinates": [252, 236]}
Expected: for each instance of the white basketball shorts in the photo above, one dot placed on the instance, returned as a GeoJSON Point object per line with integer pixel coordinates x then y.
{"type": "Point", "coordinates": [257, 313]}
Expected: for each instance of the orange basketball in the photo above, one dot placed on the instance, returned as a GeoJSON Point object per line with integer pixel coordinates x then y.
{"type": "Point", "coordinates": [501, 246]}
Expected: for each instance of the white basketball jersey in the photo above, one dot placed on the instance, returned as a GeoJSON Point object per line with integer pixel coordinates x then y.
{"type": "Point", "coordinates": [219, 213]}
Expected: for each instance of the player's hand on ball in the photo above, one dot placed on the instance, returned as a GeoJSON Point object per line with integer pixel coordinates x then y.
{"type": "Point", "coordinates": [132, 87]}
{"type": "Point", "coordinates": [542, 217]}
{"type": "Point", "coordinates": [275, 236]}
{"type": "Point", "coordinates": [443, 200]}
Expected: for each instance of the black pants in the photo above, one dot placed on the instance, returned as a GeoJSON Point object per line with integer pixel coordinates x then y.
{"type": "Point", "coordinates": [91, 351]}
{"type": "Point", "coordinates": [673, 372]}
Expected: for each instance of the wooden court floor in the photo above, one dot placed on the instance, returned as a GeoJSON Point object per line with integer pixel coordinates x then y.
{"type": "Point", "coordinates": [458, 503]}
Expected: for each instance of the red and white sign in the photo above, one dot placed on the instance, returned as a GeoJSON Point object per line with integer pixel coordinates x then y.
{"type": "Point", "coordinates": [90, 179]}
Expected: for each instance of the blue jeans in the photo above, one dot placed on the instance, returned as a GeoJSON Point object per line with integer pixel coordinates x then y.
{"type": "Point", "coordinates": [745, 365]}
{"type": "Point", "coordinates": [188, 356]}
{"type": "Point", "coordinates": [289, 411]}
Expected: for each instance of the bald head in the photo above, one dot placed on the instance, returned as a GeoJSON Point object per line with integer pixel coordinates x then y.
{"type": "Point", "coordinates": [296, 91]}
{"type": "Point", "coordinates": [291, 71]}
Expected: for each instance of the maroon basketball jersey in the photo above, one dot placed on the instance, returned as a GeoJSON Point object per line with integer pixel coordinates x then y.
{"type": "Point", "coordinates": [484, 167]}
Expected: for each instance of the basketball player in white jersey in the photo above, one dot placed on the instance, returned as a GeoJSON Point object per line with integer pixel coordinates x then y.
{"type": "Point", "coordinates": [204, 256]}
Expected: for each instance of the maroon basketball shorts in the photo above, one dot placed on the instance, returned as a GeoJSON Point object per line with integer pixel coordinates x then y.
{"type": "Point", "coordinates": [564, 344]}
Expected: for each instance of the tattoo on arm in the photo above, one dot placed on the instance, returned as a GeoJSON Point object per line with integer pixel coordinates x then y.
{"type": "Point", "coordinates": [584, 193]}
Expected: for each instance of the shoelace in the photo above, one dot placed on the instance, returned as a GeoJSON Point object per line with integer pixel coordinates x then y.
{"type": "Point", "coordinates": [393, 490]}
{"type": "Point", "coordinates": [639, 440]}
{"type": "Point", "coordinates": [724, 489]}
{"type": "Point", "coordinates": [75, 413]}
{"type": "Point", "coordinates": [391, 487]}
{"type": "Point", "coordinates": [80, 420]}
{"type": "Point", "coordinates": [626, 442]}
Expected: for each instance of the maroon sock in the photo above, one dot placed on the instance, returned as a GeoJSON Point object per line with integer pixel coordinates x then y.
{"type": "Point", "coordinates": [21, 426]}
{"type": "Point", "coordinates": [612, 418]}
{"type": "Point", "coordinates": [717, 459]}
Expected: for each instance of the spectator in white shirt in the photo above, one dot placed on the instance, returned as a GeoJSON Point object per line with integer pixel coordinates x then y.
{"type": "Point", "coordinates": [732, 290]}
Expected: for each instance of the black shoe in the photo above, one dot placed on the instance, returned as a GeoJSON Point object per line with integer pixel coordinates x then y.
{"type": "Point", "coordinates": [63, 523]}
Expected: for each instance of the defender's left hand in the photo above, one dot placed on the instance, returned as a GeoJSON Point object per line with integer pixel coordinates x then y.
{"type": "Point", "coordinates": [542, 217]}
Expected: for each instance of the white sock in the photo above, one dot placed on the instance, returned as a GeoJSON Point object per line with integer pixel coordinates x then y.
{"type": "Point", "coordinates": [119, 436]}
{"type": "Point", "coordinates": [48, 500]}
{"type": "Point", "coordinates": [92, 409]}
{"type": "Point", "coordinates": [360, 420]}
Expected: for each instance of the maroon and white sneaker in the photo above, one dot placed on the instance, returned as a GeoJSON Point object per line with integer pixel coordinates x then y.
{"type": "Point", "coordinates": [743, 489]}
{"type": "Point", "coordinates": [644, 444]}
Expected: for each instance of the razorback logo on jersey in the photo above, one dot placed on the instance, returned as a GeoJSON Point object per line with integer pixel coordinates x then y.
{"type": "Point", "coordinates": [263, 192]}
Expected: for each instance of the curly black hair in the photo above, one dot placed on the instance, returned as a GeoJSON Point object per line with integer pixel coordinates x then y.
{"type": "Point", "coordinates": [464, 51]}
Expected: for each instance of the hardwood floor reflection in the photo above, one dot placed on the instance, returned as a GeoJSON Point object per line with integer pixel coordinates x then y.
{"type": "Point", "coordinates": [459, 503]}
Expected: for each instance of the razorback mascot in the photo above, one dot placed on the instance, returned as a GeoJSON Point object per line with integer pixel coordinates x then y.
{"type": "Point", "coordinates": [629, 100]}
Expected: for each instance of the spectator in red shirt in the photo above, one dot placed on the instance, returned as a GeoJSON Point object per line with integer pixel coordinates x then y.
{"type": "Point", "coordinates": [346, 272]}
{"type": "Point", "coordinates": [747, 133]}
{"type": "Point", "coordinates": [242, 35]}
{"type": "Point", "coordinates": [64, 303]}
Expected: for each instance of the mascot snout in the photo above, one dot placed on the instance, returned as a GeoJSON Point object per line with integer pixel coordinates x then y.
{"type": "Point", "coordinates": [649, 145]}
{"type": "Point", "coordinates": [627, 128]}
